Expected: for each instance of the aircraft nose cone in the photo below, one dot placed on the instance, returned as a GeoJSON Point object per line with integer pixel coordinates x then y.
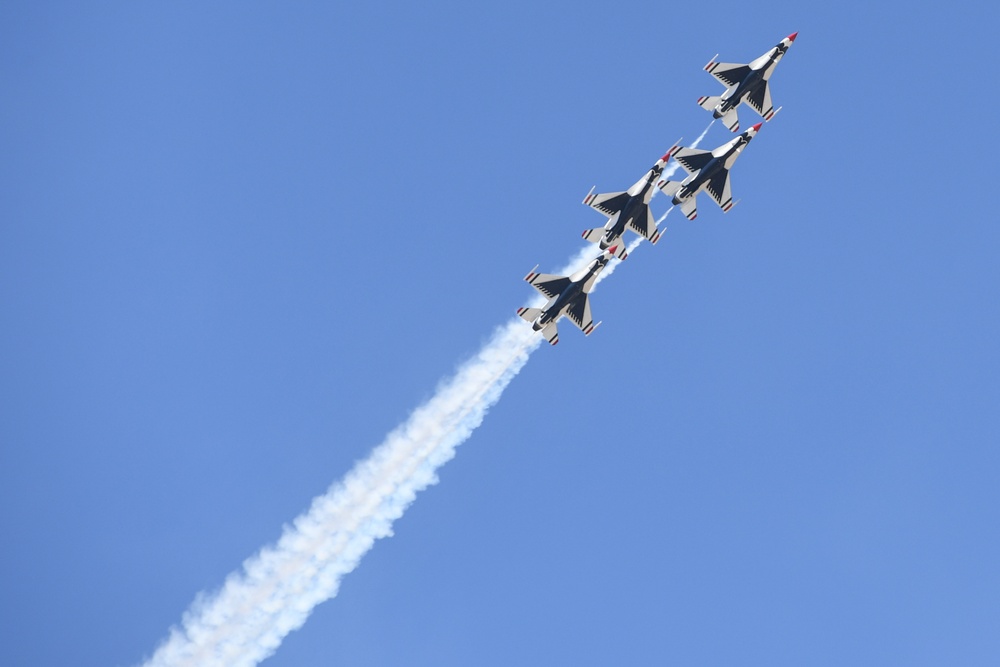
{"type": "Point", "coordinates": [791, 38]}
{"type": "Point", "coordinates": [756, 128]}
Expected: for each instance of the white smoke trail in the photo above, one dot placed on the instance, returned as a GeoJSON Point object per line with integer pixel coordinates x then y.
{"type": "Point", "coordinates": [664, 216]}
{"type": "Point", "coordinates": [246, 620]}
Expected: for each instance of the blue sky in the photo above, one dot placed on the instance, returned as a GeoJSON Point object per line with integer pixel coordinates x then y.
{"type": "Point", "coordinates": [239, 244]}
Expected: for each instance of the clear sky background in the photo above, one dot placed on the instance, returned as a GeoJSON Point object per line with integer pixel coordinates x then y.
{"type": "Point", "coordinates": [240, 243]}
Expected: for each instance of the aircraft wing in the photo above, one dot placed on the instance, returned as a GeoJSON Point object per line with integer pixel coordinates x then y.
{"type": "Point", "coordinates": [646, 227]}
{"type": "Point", "coordinates": [692, 159]}
{"type": "Point", "coordinates": [579, 314]}
{"type": "Point", "coordinates": [548, 284]}
{"type": "Point", "coordinates": [608, 203]}
{"type": "Point", "coordinates": [760, 100]}
{"type": "Point", "coordinates": [730, 74]}
{"type": "Point", "coordinates": [718, 189]}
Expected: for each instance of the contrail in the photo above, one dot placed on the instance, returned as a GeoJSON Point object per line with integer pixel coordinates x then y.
{"type": "Point", "coordinates": [246, 620]}
{"type": "Point", "coordinates": [664, 216]}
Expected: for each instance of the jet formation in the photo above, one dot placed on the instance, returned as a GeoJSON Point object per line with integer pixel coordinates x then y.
{"type": "Point", "coordinates": [708, 171]}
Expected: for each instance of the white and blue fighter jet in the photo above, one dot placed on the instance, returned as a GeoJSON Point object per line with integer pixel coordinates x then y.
{"type": "Point", "coordinates": [627, 210]}
{"type": "Point", "coordinates": [709, 171]}
{"type": "Point", "coordinates": [747, 84]}
{"type": "Point", "coordinates": [569, 296]}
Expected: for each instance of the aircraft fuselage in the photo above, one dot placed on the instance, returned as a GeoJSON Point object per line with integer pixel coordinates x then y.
{"type": "Point", "coordinates": [694, 183]}
{"type": "Point", "coordinates": [635, 208]}
{"type": "Point", "coordinates": [760, 71]}
{"type": "Point", "coordinates": [580, 284]}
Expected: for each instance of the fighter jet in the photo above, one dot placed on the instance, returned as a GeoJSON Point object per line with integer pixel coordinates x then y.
{"type": "Point", "coordinates": [627, 210]}
{"type": "Point", "coordinates": [566, 296]}
{"type": "Point", "coordinates": [709, 171]}
{"type": "Point", "coordinates": [746, 84]}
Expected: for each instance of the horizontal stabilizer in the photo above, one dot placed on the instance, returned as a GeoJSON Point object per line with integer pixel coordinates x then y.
{"type": "Point", "coordinates": [689, 207]}
{"type": "Point", "coordinates": [710, 102]}
{"type": "Point", "coordinates": [594, 235]}
{"type": "Point", "coordinates": [669, 188]}
{"type": "Point", "coordinates": [551, 333]}
{"type": "Point", "coordinates": [529, 314]}
{"type": "Point", "coordinates": [731, 120]}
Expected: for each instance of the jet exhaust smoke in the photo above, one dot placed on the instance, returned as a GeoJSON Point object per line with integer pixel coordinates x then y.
{"type": "Point", "coordinates": [664, 216]}
{"type": "Point", "coordinates": [246, 620]}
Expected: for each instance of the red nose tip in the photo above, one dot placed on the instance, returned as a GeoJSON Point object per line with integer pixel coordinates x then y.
{"type": "Point", "coordinates": [666, 156]}
{"type": "Point", "coordinates": [756, 128]}
{"type": "Point", "coordinates": [612, 249]}
{"type": "Point", "coordinates": [791, 38]}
